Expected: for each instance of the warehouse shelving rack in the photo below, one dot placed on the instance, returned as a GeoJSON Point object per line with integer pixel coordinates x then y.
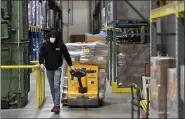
{"type": "Point", "coordinates": [53, 5]}
{"type": "Point", "coordinates": [175, 8]}
{"type": "Point", "coordinates": [37, 32]}
{"type": "Point", "coordinates": [97, 17]}
{"type": "Point", "coordinates": [111, 31]}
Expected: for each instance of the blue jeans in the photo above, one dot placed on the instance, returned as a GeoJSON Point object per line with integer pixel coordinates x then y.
{"type": "Point", "coordinates": [54, 79]}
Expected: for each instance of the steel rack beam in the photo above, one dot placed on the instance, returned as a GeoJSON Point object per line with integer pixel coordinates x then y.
{"type": "Point", "coordinates": [172, 8]}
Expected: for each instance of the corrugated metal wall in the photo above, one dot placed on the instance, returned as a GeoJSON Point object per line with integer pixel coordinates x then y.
{"type": "Point", "coordinates": [78, 18]}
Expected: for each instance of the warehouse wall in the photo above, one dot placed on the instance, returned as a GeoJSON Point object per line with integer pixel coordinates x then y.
{"type": "Point", "coordinates": [80, 22]}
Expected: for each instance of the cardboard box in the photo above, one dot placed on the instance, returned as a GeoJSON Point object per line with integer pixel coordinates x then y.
{"type": "Point", "coordinates": [77, 38]}
{"type": "Point", "coordinates": [94, 38]}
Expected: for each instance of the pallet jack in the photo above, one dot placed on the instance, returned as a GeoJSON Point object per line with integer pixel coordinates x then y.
{"type": "Point", "coordinates": [82, 89]}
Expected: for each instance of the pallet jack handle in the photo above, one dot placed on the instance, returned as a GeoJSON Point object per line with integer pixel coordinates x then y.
{"type": "Point", "coordinates": [79, 73]}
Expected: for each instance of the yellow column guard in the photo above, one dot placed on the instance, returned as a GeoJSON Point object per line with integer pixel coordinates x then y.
{"type": "Point", "coordinates": [40, 81]}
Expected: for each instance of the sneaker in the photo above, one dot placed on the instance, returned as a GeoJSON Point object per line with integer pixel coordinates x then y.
{"type": "Point", "coordinates": [57, 109]}
{"type": "Point", "coordinates": [53, 109]}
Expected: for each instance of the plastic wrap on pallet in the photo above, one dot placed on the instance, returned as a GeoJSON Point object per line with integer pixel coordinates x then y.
{"type": "Point", "coordinates": [102, 91]}
{"type": "Point", "coordinates": [64, 73]}
{"type": "Point", "coordinates": [100, 60]}
{"type": "Point", "coordinates": [172, 108]}
{"type": "Point", "coordinates": [40, 15]}
{"type": "Point", "coordinates": [51, 23]}
{"type": "Point", "coordinates": [74, 47]}
{"type": "Point", "coordinates": [37, 46]}
{"type": "Point", "coordinates": [110, 12]}
{"type": "Point", "coordinates": [135, 56]}
{"type": "Point", "coordinates": [33, 12]}
{"type": "Point", "coordinates": [87, 50]}
{"type": "Point", "coordinates": [43, 13]}
{"type": "Point", "coordinates": [161, 86]}
{"type": "Point", "coordinates": [33, 49]}
{"type": "Point", "coordinates": [87, 59]}
{"type": "Point", "coordinates": [48, 18]}
{"type": "Point", "coordinates": [30, 12]}
{"type": "Point", "coordinates": [121, 59]}
{"type": "Point", "coordinates": [101, 50]}
{"type": "Point", "coordinates": [102, 78]}
{"type": "Point", "coordinates": [37, 13]}
{"type": "Point", "coordinates": [75, 58]}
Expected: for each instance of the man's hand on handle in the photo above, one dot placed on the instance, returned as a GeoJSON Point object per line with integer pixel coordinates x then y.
{"type": "Point", "coordinates": [42, 67]}
{"type": "Point", "coordinates": [71, 67]}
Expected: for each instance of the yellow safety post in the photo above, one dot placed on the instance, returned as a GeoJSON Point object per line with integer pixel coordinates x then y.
{"type": "Point", "coordinates": [38, 85]}
{"type": "Point", "coordinates": [43, 86]}
{"type": "Point", "coordinates": [40, 81]}
{"type": "Point", "coordinates": [34, 62]}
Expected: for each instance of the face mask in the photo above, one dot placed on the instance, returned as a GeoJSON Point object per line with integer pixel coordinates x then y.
{"type": "Point", "coordinates": [52, 40]}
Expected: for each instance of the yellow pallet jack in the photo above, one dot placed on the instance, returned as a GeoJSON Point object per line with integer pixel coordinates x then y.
{"type": "Point", "coordinates": [82, 89]}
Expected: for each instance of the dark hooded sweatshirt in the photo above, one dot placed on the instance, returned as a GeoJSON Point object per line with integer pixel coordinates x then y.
{"type": "Point", "coordinates": [52, 54]}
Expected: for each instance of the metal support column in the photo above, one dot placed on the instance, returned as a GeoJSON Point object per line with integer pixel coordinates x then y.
{"type": "Point", "coordinates": [153, 39]}
{"type": "Point", "coordinates": [180, 61]}
{"type": "Point", "coordinates": [114, 54]}
{"type": "Point", "coordinates": [110, 54]}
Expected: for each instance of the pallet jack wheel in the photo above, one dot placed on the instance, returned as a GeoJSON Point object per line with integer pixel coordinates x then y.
{"type": "Point", "coordinates": [64, 105]}
{"type": "Point", "coordinates": [64, 102]}
{"type": "Point", "coordinates": [101, 102]}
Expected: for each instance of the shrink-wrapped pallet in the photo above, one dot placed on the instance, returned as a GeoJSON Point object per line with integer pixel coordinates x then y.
{"type": "Point", "coordinates": [172, 108]}
{"type": "Point", "coordinates": [100, 60]}
{"type": "Point", "coordinates": [77, 47]}
{"type": "Point", "coordinates": [94, 53]}
{"type": "Point", "coordinates": [86, 59]}
{"type": "Point", "coordinates": [121, 59]}
{"type": "Point", "coordinates": [159, 85]}
{"type": "Point", "coordinates": [102, 83]}
{"type": "Point", "coordinates": [43, 14]}
{"type": "Point", "coordinates": [33, 12]}
{"type": "Point", "coordinates": [30, 12]}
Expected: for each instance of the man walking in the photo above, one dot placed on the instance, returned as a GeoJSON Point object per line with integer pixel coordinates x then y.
{"type": "Point", "coordinates": [51, 57]}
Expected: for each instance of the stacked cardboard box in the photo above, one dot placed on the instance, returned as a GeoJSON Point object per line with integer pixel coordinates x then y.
{"type": "Point", "coordinates": [159, 85]}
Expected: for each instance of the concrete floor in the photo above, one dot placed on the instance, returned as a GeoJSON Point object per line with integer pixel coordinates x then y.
{"type": "Point", "coordinates": [116, 106]}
